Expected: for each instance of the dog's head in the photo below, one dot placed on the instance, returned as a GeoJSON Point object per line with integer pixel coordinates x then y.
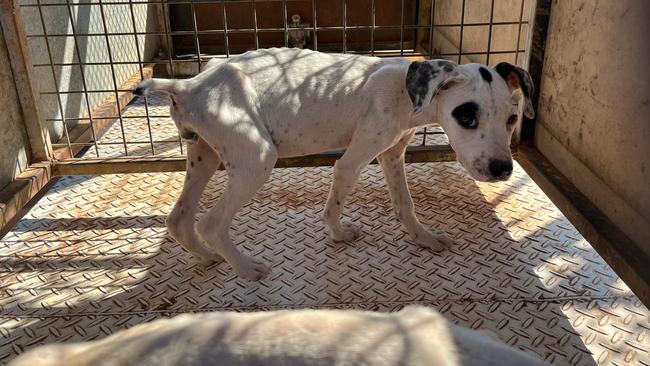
{"type": "Point", "coordinates": [478, 107]}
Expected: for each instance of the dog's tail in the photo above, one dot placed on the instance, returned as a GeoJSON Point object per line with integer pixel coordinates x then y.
{"type": "Point", "coordinates": [168, 86]}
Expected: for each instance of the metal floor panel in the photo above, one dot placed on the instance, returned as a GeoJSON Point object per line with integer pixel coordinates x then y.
{"type": "Point", "coordinates": [93, 256]}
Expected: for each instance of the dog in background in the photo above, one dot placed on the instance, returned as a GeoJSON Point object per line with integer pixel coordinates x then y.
{"type": "Point", "coordinates": [414, 336]}
{"type": "Point", "coordinates": [249, 110]}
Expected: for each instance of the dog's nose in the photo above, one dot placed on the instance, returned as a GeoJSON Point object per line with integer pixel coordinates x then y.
{"type": "Point", "coordinates": [500, 169]}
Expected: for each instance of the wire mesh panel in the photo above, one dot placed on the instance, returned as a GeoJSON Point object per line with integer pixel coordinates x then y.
{"type": "Point", "coordinates": [88, 55]}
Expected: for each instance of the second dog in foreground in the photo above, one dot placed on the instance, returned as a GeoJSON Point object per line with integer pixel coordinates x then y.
{"type": "Point", "coordinates": [414, 336]}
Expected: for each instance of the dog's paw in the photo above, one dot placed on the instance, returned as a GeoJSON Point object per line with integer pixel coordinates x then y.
{"type": "Point", "coordinates": [434, 241]}
{"type": "Point", "coordinates": [251, 269]}
{"type": "Point", "coordinates": [347, 232]}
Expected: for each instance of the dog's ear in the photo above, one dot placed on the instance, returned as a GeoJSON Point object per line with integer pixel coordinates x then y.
{"type": "Point", "coordinates": [519, 79]}
{"type": "Point", "coordinates": [425, 79]}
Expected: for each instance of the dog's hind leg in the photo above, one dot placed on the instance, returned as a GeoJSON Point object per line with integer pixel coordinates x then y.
{"type": "Point", "coordinates": [392, 163]}
{"type": "Point", "coordinates": [248, 169]}
{"type": "Point", "coordinates": [232, 125]}
{"type": "Point", "coordinates": [202, 162]}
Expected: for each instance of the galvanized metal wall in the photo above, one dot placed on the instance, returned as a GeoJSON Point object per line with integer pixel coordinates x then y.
{"type": "Point", "coordinates": [14, 145]}
{"type": "Point", "coordinates": [594, 106]}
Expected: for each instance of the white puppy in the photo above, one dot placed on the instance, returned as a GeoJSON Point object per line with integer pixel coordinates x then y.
{"type": "Point", "coordinates": [415, 336]}
{"type": "Point", "coordinates": [249, 110]}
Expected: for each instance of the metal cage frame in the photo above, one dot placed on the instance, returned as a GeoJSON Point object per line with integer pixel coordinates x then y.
{"type": "Point", "coordinates": [82, 135]}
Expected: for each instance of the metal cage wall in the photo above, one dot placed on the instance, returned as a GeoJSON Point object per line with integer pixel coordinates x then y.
{"type": "Point", "coordinates": [86, 56]}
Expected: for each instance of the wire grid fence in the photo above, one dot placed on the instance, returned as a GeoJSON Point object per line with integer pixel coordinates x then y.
{"type": "Point", "coordinates": [88, 55]}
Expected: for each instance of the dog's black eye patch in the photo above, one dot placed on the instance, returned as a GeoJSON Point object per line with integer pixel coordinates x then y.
{"type": "Point", "coordinates": [485, 74]}
{"type": "Point", "coordinates": [466, 115]}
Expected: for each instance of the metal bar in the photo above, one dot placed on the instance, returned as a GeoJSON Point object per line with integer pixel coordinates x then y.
{"type": "Point", "coordinates": [117, 143]}
{"type": "Point", "coordinates": [372, 29]}
{"type": "Point", "coordinates": [225, 28]}
{"type": "Point", "coordinates": [171, 62]}
{"type": "Point", "coordinates": [401, 29]}
{"type": "Point", "coordinates": [105, 118]}
{"type": "Point", "coordinates": [414, 154]}
{"type": "Point", "coordinates": [22, 71]}
{"type": "Point", "coordinates": [278, 30]}
{"type": "Point", "coordinates": [521, 18]}
{"type": "Point", "coordinates": [462, 26]}
{"type": "Point", "coordinates": [146, 102]}
{"type": "Point", "coordinates": [345, 21]}
{"type": "Point", "coordinates": [83, 76]}
{"type": "Point", "coordinates": [489, 45]}
{"type": "Point", "coordinates": [535, 67]}
{"type": "Point", "coordinates": [431, 26]}
{"type": "Point", "coordinates": [257, 38]}
{"type": "Point", "coordinates": [196, 36]}
{"type": "Point", "coordinates": [314, 25]}
{"type": "Point", "coordinates": [170, 45]}
{"type": "Point", "coordinates": [284, 21]}
{"type": "Point", "coordinates": [110, 59]}
{"type": "Point", "coordinates": [55, 79]}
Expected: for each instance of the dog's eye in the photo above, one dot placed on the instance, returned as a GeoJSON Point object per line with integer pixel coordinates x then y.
{"type": "Point", "coordinates": [512, 119]}
{"type": "Point", "coordinates": [468, 122]}
{"type": "Point", "coordinates": [466, 115]}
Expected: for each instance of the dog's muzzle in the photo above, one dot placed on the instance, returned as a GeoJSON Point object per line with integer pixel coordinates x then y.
{"type": "Point", "coordinates": [500, 169]}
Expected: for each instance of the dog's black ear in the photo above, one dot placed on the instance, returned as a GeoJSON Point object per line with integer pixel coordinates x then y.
{"type": "Point", "coordinates": [425, 79]}
{"type": "Point", "coordinates": [519, 79]}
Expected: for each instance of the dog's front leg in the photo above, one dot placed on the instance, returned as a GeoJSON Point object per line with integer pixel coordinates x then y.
{"type": "Point", "coordinates": [392, 163]}
{"type": "Point", "coordinates": [365, 146]}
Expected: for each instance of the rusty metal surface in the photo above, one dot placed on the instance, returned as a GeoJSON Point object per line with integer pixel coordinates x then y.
{"type": "Point", "coordinates": [93, 257]}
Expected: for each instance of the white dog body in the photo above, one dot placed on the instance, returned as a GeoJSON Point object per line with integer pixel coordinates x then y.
{"type": "Point", "coordinates": [310, 102]}
{"type": "Point", "coordinates": [249, 110]}
{"type": "Point", "coordinates": [415, 336]}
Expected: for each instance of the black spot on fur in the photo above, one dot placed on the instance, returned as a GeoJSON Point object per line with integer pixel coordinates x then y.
{"type": "Point", "coordinates": [447, 66]}
{"type": "Point", "coordinates": [418, 77]}
{"type": "Point", "coordinates": [199, 158]}
{"type": "Point", "coordinates": [466, 114]}
{"type": "Point", "coordinates": [338, 203]}
{"type": "Point", "coordinates": [505, 69]}
{"type": "Point", "coordinates": [191, 164]}
{"type": "Point", "coordinates": [485, 74]}
{"type": "Point", "coordinates": [188, 135]}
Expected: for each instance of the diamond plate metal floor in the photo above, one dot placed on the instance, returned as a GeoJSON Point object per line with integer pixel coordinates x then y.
{"type": "Point", "coordinates": [93, 257]}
